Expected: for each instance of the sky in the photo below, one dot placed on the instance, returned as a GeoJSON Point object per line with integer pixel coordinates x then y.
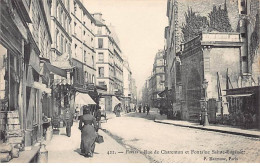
{"type": "Point", "coordinates": [139, 25]}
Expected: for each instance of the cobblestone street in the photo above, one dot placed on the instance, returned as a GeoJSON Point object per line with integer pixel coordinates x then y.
{"type": "Point", "coordinates": [167, 143]}
{"type": "Point", "coordinates": [63, 149]}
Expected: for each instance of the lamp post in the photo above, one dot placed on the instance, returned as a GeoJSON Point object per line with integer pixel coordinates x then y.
{"type": "Point", "coordinates": [205, 105]}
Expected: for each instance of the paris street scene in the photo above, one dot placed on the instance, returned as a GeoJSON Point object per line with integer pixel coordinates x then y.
{"type": "Point", "coordinates": [129, 81]}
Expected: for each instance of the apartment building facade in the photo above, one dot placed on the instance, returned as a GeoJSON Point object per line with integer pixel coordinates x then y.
{"type": "Point", "coordinates": [83, 41]}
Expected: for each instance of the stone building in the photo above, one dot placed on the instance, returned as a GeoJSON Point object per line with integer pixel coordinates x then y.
{"type": "Point", "coordinates": [243, 19]}
{"type": "Point", "coordinates": [127, 74]}
{"type": "Point", "coordinates": [61, 59]}
{"type": "Point", "coordinates": [134, 91]}
{"type": "Point", "coordinates": [215, 57]}
{"type": "Point", "coordinates": [83, 42]}
{"type": "Point", "coordinates": [157, 78]}
{"type": "Point", "coordinates": [109, 61]}
{"type": "Point", "coordinates": [25, 47]}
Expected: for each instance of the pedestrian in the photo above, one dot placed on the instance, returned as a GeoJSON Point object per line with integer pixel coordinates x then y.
{"type": "Point", "coordinates": [147, 108]}
{"type": "Point", "coordinates": [118, 110]}
{"type": "Point", "coordinates": [88, 127]}
{"type": "Point", "coordinates": [68, 122]}
{"type": "Point", "coordinates": [144, 109]}
{"type": "Point", "coordinates": [76, 116]}
{"type": "Point", "coordinates": [97, 115]}
{"type": "Point", "coordinates": [140, 108]}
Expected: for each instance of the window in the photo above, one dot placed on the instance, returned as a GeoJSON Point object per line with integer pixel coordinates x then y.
{"type": "Point", "coordinates": [89, 77]}
{"type": "Point", "coordinates": [93, 63]}
{"type": "Point", "coordinates": [101, 57]}
{"type": "Point", "coordinates": [75, 7]}
{"type": "Point", "coordinates": [85, 56]}
{"type": "Point", "coordinates": [76, 50]}
{"type": "Point", "coordinates": [59, 14]}
{"type": "Point", "coordinates": [101, 71]}
{"type": "Point", "coordinates": [65, 23]}
{"type": "Point", "coordinates": [68, 26]}
{"type": "Point", "coordinates": [75, 27]}
{"type": "Point", "coordinates": [86, 76]}
{"type": "Point", "coordinates": [61, 44]}
{"type": "Point", "coordinates": [66, 45]}
{"type": "Point", "coordinates": [69, 49]}
{"type": "Point", "coordinates": [100, 43]}
{"type": "Point", "coordinates": [3, 69]}
{"type": "Point", "coordinates": [99, 30]}
{"type": "Point", "coordinates": [101, 83]}
{"type": "Point", "coordinates": [61, 17]}
{"type": "Point", "coordinates": [93, 78]}
{"type": "Point", "coordinates": [57, 39]}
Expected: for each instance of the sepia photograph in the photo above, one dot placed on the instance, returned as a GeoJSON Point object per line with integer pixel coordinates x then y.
{"type": "Point", "coordinates": [130, 81]}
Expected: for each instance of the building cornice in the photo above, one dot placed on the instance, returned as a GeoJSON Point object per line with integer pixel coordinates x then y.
{"type": "Point", "coordinates": [89, 66]}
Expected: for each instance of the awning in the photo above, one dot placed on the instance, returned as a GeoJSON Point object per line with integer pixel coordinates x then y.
{"type": "Point", "coordinates": [63, 65]}
{"type": "Point", "coordinates": [42, 87]}
{"type": "Point", "coordinates": [115, 101]}
{"type": "Point", "coordinates": [239, 95]}
{"type": "Point", "coordinates": [56, 70]}
{"type": "Point", "coordinates": [83, 99]}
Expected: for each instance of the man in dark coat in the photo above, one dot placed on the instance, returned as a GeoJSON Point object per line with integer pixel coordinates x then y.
{"type": "Point", "coordinates": [68, 121]}
{"type": "Point", "coordinates": [97, 115]}
{"type": "Point", "coordinates": [147, 109]}
{"type": "Point", "coordinates": [139, 108]}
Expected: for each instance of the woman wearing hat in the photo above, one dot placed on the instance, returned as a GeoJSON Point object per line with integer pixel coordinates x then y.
{"type": "Point", "coordinates": [88, 127]}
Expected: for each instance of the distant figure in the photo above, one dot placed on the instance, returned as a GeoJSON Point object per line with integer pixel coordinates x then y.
{"type": "Point", "coordinates": [144, 109]}
{"type": "Point", "coordinates": [97, 115]}
{"type": "Point", "coordinates": [88, 127]}
{"type": "Point", "coordinates": [140, 108]}
{"type": "Point", "coordinates": [118, 110]}
{"type": "Point", "coordinates": [68, 122]}
{"type": "Point", "coordinates": [76, 115]}
{"type": "Point", "coordinates": [147, 108]}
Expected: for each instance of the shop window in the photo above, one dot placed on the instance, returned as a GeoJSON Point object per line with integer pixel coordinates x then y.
{"type": "Point", "coordinates": [3, 77]}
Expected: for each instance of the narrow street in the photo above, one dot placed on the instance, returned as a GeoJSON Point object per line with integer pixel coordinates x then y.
{"type": "Point", "coordinates": [63, 149]}
{"type": "Point", "coordinates": [167, 143]}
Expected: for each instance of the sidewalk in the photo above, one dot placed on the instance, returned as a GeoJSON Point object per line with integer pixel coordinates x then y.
{"type": "Point", "coordinates": [217, 128]}
{"type": "Point", "coordinates": [63, 149]}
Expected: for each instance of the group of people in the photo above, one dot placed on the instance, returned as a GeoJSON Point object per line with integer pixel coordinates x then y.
{"type": "Point", "coordinates": [146, 109]}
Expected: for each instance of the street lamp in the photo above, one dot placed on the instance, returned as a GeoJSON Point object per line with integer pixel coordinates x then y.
{"type": "Point", "coordinates": [204, 103]}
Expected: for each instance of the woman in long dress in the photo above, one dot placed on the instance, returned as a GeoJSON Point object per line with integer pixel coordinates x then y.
{"type": "Point", "coordinates": [88, 127]}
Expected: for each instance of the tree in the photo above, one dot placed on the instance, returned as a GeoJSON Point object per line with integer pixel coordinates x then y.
{"type": "Point", "coordinates": [219, 20]}
{"type": "Point", "coordinates": [194, 25]}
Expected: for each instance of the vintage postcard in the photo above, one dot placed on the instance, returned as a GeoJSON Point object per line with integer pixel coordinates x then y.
{"type": "Point", "coordinates": [130, 81]}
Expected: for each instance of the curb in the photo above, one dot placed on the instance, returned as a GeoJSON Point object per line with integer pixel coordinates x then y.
{"type": "Point", "coordinates": [209, 129]}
